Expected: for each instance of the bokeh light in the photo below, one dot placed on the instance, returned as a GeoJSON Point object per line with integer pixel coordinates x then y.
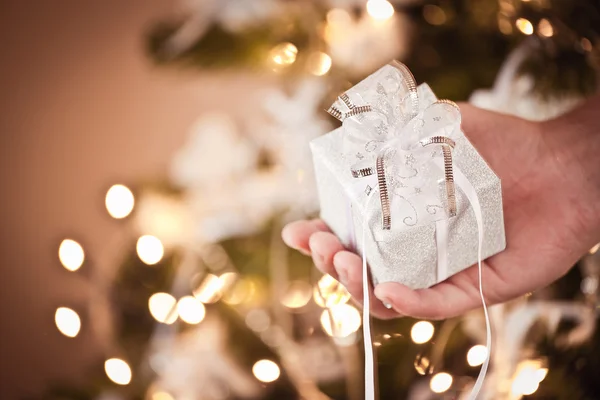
{"type": "Point", "coordinates": [209, 289]}
{"type": "Point", "coordinates": [477, 355]}
{"type": "Point", "coordinates": [117, 371]}
{"type": "Point", "coordinates": [119, 201]}
{"type": "Point", "coordinates": [525, 26]}
{"type": "Point", "coordinates": [67, 321]}
{"type": "Point", "coordinates": [161, 395]}
{"type": "Point", "coordinates": [150, 249]}
{"type": "Point", "coordinates": [71, 255]}
{"type": "Point", "coordinates": [258, 320]}
{"type": "Point", "coordinates": [440, 382]}
{"type": "Point", "coordinates": [266, 371]}
{"type": "Point", "coordinates": [380, 9]}
{"type": "Point", "coordinates": [594, 249]}
{"type": "Point", "coordinates": [297, 295]}
{"type": "Point", "coordinates": [328, 292]}
{"type": "Point", "coordinates": [346, 320]}
{"type": "Point", "coordinates": [527, 378]}
{"type": "Point", "coordinates": [191, 310]}
{"type": "Point", "coordinates": [318, 64]}
{"type": "Point", "coordinates": [162, 307]}
{"type": "Point", "coordinates": [433, 14]}
{"type": "Point", "coordinates": [422, 332]}
{"type": "Point", "coordinates": [284, 54]}
{"type": "Point", "coordinates": [545, 28]}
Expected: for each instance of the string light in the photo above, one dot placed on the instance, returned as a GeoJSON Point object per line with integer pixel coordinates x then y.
{"type": "Point", "coordinates": [346, 320]}
{"type": "Point", "coordinates": [190, 310]}
{"type": "Point", "coordinates": [284, 54]}
{"type": "Point", "coordinates": [328, 292]}
{"type": "Point", "coordinates": [440, 382]}
{"type": "Point", "coordinates": [67, 321]}
{"type": "Point", "coordinates": [209, 290]}
{"type": "Point", "coordinates": [117, 371]}
{"type": "Point", "coordinates": [71, 255]}
{"type": "Point", "coordinates": [422, 365]}
{"type": "Point", "coordinates": [162, 307]}
{"type": "Point", "coordinates": [318, 63]}
{"type": "Point", "coordinates": [150, 249]}
{"type": "Point", "coordinates": [380, 9]}
{"type": "Point", "coordinates": [545, 28]}
{"type": "Point", "coordinates": [266, 371]}
{"type": "Point", "coordinates": [119, 201]}
{"type": "Point", "coordinates": [525, 26]}
{"type": "Point", "coordinates": [422, 332]}
{"type": "Point", "coordinates": [477, 355]}
{"type": "Point", "coordinates": [297, 295]}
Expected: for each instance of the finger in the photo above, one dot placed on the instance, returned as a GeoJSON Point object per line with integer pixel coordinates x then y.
{"type": "Point", "coordinates": [450, 298]}
{"type": "Point", "coordinates": [323, 247]}
{"type": "Point", "coordinates": [296, 234]}
{"type": "Point", "coordinates": [349, 269]}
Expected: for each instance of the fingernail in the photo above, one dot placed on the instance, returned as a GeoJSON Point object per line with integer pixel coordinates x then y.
{"type": "Point", "coordinates": [304, 251]}
{"type": "Point", "coordinates": [386, 302]}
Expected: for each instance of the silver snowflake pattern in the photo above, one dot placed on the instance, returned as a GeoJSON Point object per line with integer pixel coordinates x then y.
{"type": "Point", "coordinates": [359, 156]}
{"type": "Point", "coordinates": [410, 159]}
{"type": "Point", "coordinates": [417, 190]}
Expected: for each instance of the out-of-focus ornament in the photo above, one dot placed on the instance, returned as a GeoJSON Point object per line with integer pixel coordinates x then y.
{"type": "Point", "coordinates": [118, 371]}
{"type": "Point", "coordinates": [67, 321]}
{"type": "Point", "coordinates": [119, 201]}
{"type": "Point", "coordinates": [361, 44]}
{"type": "Point", "coordinates": [71, 255]}
{"type": "Point", "coordinates": [196, 364]}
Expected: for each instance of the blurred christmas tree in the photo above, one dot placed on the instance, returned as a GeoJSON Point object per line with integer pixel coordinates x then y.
{"type": "Point", "coordinates": [207, 302]}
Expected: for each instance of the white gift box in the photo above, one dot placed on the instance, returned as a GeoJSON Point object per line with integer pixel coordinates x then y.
{"type": "Point", "coordinates": [394, 140]}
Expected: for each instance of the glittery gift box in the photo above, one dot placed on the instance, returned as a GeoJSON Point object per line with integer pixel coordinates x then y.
{"type": "Point", "coordinates": [407, 253]}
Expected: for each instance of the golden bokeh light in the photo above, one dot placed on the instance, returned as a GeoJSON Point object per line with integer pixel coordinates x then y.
{"type": "Point", "coordinates": [297, 295]}
{"type": "Point", "coordinates": [338, 16]}
{"type": "Point", "coordinates": [380, 9]}
{"type": "Point", "coordinates": [150, 249]}
{"type": "Point", "coordinates": [117, 371]}
{"type": "Point", "coordinates": [595, 249]}
{"type": "Point", "coordinates": [435, 15]}
{"type": "Point", "coordinates": [318, 64]}
{"type": "Point", "coordinates": [440, 382]}
{"type": "Point", "coordinates": [346, 320]}
{"type": "Point", "coordinates": [328, 292]}
{"type": "Point", "coordinates": [545, 28]}
{"type": "Point", "coordinates": [284, 54]}
{"type": "Point", "coordinates": [258, 320]}
{"type": "Point", "coordinates": [71, 255]}
{"type": "Point", "coordinates": [524, 25]}
{"type": "Point", "coordinates": [422, 332]}
{"type": "Point", "coordinates": [527, 378]}
{"type": "Point", "coordinates": [209, 290]}
{"type": "Point", "coordinates": [162, 395]}
{"type": "Point", "coordinates": [191, 310]}
{"type": "Point", "coordinates": [119, 201]}
{"type": "Point", "coordinates": [67, 321]}
{"type": "Point", "coordinates": [266, 371]}
{"type": "Point", "coordinates": [477, 355]}
{"type": "Point", "coordinates": [163, 308]}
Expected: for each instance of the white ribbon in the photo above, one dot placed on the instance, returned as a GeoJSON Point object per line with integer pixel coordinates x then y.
{"type": "Point", "coordinates": [442, 246]}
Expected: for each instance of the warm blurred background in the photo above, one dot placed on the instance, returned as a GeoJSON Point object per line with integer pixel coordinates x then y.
{"type": "Point", "coordinates": [152, 151]}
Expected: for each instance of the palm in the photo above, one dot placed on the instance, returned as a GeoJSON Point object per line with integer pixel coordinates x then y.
{"type": "Point", "coordinates": [540, 218]}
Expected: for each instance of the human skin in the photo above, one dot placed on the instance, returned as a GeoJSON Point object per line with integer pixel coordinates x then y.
{"type": "Point", "coordinates": [550, 174]}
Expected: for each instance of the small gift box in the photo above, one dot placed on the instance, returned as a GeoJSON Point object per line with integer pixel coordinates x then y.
{"type": "Point", "coordinates": [401, 171]}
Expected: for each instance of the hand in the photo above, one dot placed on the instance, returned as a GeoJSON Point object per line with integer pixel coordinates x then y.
{"type": "Point", "coordinates": [550, 176]}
